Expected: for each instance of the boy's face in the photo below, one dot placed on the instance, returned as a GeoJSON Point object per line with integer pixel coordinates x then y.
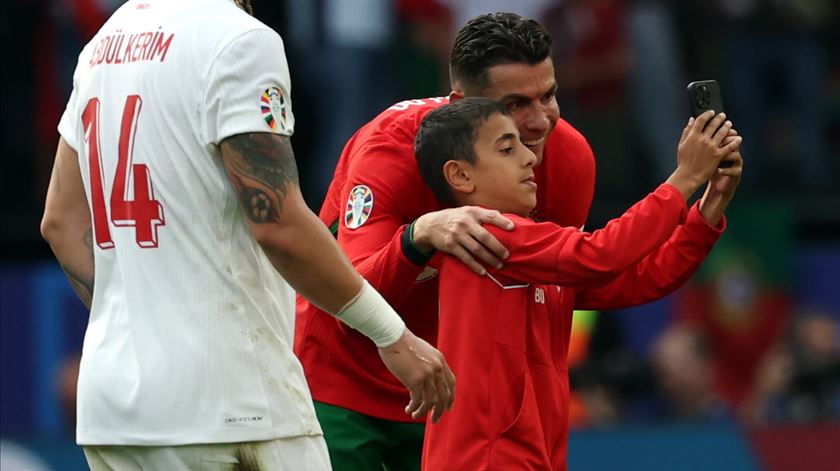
{"type": "Point", "coordinates": [503, 174]}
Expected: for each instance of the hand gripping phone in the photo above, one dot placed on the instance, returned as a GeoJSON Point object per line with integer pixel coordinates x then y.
{"type": "Point", "coordinates": [704, 95]}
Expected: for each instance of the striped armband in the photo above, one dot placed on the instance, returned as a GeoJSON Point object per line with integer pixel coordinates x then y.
{"type": "Point", "coordinates": [371, 315]}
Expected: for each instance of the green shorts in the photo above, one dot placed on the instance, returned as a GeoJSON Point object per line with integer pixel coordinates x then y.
{"type": "Point", "coordinates": [358, 442]}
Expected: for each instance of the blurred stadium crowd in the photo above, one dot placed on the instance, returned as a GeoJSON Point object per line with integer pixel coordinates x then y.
{"type": "Point", "coordinates": [753, 339]}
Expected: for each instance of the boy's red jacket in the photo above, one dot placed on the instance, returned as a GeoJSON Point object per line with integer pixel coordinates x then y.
{"type": "Point", "coordinates": [506, 335]}
{"type": "Point", "coordinates": [343, 367]}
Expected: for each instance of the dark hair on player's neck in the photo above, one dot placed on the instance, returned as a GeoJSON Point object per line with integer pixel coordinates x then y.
{"type": "Point", "coordinates": [495, 39]}
{"type": "Point", "coordinates": [449, 133]}
{"type": "Point", "coordinates": [245, 5]}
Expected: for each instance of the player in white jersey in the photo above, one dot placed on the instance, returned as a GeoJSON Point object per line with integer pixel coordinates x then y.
{"type": "Point", "coordinates": [175, 178]}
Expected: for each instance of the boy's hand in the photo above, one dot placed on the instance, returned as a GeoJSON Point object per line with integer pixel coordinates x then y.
{"type": "Point", "coordinates": [700, 151]}
{"type": "Point", "coordinates": [725, 180]}
{"type": "Point", "coordinates": [721, 188]}
{"type": "Point", "coordinates": [459, 232]}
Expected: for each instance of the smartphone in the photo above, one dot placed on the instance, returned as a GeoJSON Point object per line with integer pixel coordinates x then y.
{"type": "Point", "coordinates": [704, 95]}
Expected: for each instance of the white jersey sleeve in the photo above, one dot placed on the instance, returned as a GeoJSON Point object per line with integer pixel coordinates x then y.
{"type": "Point", "coordinates": [248, 88]}
{"type": "Point", "coordinates": [68, 124]}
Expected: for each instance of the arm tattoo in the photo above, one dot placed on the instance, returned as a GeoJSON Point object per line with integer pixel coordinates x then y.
{"type": "Point", "coordinates": [82, 285]}
{"type": "Point", "coordinates": [261, 167]}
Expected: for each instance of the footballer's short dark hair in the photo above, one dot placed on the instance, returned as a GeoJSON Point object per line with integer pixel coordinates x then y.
{"type": "Point", "coordinates": [449, 133]}
{"type": "Point", "coordinates": [245, 5]}
{"type": "Point", "coordinates": [495, 39]}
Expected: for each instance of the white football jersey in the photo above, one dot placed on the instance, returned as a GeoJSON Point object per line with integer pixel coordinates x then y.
{"type": "Point", "coordinates": [191, 328]}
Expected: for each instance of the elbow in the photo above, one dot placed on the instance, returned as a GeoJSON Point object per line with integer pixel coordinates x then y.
{"type": "Point", "coordinates": [284, 235]}
{"type": "Point", "coordinates": [268, 235]}
{"type": "Point", "coordinates": [50, 227]}
{"type": "Point", "coordinates": [56, 226]}
{"type": "Point", "coordinates": [275, 241]}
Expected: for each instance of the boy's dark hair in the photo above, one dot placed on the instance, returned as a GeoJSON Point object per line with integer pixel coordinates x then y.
{"type": "Point", "coordinates": [448, 133]}
{"type": "Point", "coordinates": [494, 39]}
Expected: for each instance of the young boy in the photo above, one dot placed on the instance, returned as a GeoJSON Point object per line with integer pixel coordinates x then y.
{"type": "Point", "coordinates": [506, 334]}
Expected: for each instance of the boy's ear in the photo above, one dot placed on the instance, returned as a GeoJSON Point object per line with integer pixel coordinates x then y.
{"type": "Point", "coordinates": [457, 174]}
{"type": "Point", "coordinates": [455, 95]}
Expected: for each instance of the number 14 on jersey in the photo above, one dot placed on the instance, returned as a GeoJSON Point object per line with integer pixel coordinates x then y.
{"type": "Point", "coordinates": [144, 212]}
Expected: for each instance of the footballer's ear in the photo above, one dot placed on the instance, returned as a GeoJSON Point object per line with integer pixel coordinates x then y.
{"type": "Point", "coordinates": [455, 95]}
{"type": "Point", "coordinates": [458, 175]}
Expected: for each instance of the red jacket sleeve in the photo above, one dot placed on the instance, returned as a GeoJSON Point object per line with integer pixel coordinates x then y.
{"type": "Point", "coordinates": [399, 197]}
{"type": "Point", "coordinates": [547, 253]}
{"type": "Point", "coordinates": [661, 272]}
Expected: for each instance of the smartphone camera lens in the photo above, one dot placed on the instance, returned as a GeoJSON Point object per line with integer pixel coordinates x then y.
{"type": "Point", "coordinates": [702, 99]}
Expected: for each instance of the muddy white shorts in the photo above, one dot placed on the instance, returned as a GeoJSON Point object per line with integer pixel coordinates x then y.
{"type": "Point", "coordinates": [304, 453]}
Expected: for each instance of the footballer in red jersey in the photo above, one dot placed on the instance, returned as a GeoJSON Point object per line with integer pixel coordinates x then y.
{"type": "Point", "coordinates": [506, 334]}
{"type": "Point", "coordinates": [389, 224]}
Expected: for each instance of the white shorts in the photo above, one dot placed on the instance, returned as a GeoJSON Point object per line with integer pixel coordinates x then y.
{"type": "Point", "coordinates": [293, 454]}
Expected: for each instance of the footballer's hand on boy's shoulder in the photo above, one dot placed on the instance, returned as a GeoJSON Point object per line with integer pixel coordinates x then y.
{"type": "Point", "coordinates": [460, 233]}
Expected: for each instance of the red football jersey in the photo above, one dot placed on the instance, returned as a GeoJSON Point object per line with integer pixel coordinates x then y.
{"type": "Point", "coordinates": [342, 366]}
{"type": "Point", "coordinates": [506, 335]}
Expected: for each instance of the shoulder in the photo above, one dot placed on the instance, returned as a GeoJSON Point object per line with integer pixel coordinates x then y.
{"type": "Point", "coordinates": [222, 24]}
{"type": "Point", "coordinates": [564, 131]}
{"type": "Point", "coordinates": [528, 234]}
{"type": "Point", "coordinates": [227, 16]}
{"type": "Point", "coordinates": [565, 137]}
{"type": "Point", "coordinates": [390, 135]}
{"type": "Point", "coordinates": [416, 106]}
{"type": "Point", "coordinates": [522, 226]}
{"type": "Point", "coordinates": [250, 36]}
{"type": "Point", "coordinates": [403, 118]}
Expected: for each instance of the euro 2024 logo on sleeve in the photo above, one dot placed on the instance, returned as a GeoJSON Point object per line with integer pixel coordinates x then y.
{"type": "Point", "coordinates": [273, 107]}
{"type": "Point", "coordinates": [359, 206]}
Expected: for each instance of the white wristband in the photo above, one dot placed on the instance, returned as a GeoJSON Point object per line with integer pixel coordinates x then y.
{"type": "Point", "coordinates": [371, 315]}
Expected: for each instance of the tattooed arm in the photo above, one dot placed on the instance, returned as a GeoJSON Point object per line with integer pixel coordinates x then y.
{"type": "Point", "coordinates": [262, 168]}
{"type": "Point", "coordinates": [66, 224]}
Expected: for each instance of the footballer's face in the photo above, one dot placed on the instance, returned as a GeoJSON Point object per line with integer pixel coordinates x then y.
{"type": "Point", "coordinates": [503, 173]}
{"type": "Point", "coordinates": [528, 91]}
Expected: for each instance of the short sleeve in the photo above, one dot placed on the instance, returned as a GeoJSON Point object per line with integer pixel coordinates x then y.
{"type": "Point", "coordinates": [69, 124]}
{"type": "Point", "coordinates": [248, 88]}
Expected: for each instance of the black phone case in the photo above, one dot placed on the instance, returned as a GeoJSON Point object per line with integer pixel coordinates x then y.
{"type": "Point", "coordinates": [704, 95]}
